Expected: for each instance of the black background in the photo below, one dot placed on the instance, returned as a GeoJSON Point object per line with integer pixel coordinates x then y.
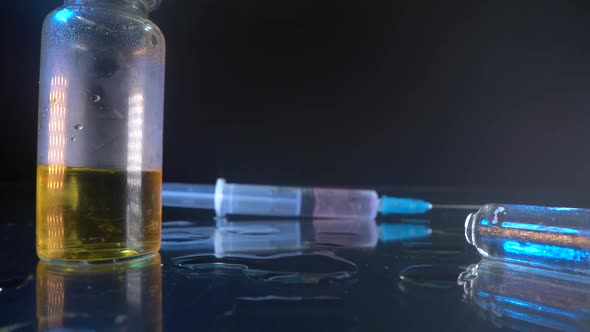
{"type": "Point", "coordinates": [372, 92]}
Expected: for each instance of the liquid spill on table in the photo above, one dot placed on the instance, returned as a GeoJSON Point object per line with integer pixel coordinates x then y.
{"type": "Point", "coordinates": [252, 275]}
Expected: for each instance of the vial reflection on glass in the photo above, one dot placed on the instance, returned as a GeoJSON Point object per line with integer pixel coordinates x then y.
{"type": "Point", "coordinates": [527, 298]}
{"type": "Point", "coordinates": [123, 296]}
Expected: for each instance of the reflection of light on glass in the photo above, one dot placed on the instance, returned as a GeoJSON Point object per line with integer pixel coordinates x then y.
{"type": "Point", "coordinates": [135, 132]}
{"type": "Point", "coordinates": [80, 47]}
{"type": "Point", "coordinates": [400, 232]}
{"type": "Point", "coordinates": [57, 132]}
{"type": "Point", "coordinates": [538, 228]}
{"type": "Point", "coordinates": [543, 250]}
{"type": "Point", "coordinates": [134, 289]}
{"type": "Point", "coordinates": [534, 306]}
{"type": "Point", "coordinates": [268, 235]}
{"type": "Point", "coordinates": [134, 165]}
{"type": "Point", "coordinates": [563, 209]}
{"type": "Point", "coordinates": [140, 51]}
{"type": "Point", "coordinates": [63, 15]}
{"type": "Point", "coordinates": [483, 294]}
{"type": "Point", "coordinates": [56, 157]}
{"type": "Point", "coordinates": [252, 236]}
{"type": "Point", "coordinates": [55, 301]}
{"type": "Point", "coordinates": [544, 321]}
{"type": "Point", "coordinates": [124, 296]}
{"type": "Point", "coordinates": [348, 233]}
{"type": "Point", "coordinates": [85, 20]}
{"type": "Point", "coordinates": [55, 229]}
{"type": "Point", "coordinates": [524, 298]}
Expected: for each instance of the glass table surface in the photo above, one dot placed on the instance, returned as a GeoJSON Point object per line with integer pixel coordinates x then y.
{"type": "Point", "coordinates": [273, 274]}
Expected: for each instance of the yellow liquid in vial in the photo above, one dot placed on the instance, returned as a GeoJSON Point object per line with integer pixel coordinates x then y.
{"type": "Point", "coordinates": [86, 214]}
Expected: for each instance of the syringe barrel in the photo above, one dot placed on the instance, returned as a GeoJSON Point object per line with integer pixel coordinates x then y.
{"type": "Point", "coordinates": [554, 238]}
{"type": "Point", "coordinates": [258, 200]}
{"type": "Point", "coordinates": [188, 195]}
{"type": "Point", "coordinates": [292, 201]}
{"type": "Point", "coordinates": [344, 203]}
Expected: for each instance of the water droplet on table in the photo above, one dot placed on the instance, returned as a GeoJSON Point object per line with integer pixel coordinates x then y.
{"type": "Point", "coordinates": [289, 268]}
{"type": "Point", "coordinates": [430, 276]}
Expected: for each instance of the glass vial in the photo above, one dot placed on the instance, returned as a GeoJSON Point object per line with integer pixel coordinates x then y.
{"type": "Point", "coordinates": [100, 131]}
{"type": "Point", "coordinates": [554, 238]}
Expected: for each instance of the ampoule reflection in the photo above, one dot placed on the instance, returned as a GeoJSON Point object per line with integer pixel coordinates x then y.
{"type": "Point", "coordinates": [527, 298]}
{"type": "Point", "coordinates": [122, 296]}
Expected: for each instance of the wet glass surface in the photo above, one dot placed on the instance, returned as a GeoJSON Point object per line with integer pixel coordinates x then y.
{"type": "Point", "coordinates": [252, 274]}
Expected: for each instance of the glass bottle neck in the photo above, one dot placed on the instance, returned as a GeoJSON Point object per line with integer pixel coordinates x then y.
{"type": "Point", "coordinates": [140, 6]}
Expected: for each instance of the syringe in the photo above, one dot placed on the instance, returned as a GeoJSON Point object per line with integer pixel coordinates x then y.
{"type": "Point", "coordinates": [245, 199]}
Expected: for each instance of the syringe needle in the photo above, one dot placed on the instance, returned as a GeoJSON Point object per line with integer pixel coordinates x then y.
{"type": "Point", "coordinates": [456, 206]}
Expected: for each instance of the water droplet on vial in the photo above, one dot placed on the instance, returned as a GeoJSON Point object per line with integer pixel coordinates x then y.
{"type": "Point", "coordinates": [466, 276]}
{"type": "Point", "coordinates": [73, 139]}
{"type": "Point", "coordinates": [154, 41]}
{"type": "Point", "coordinates": [79, 126]}
{"type": "Point", "coordinates": [95, 98]}
{"type": "Point", "coordinates": [44, 112]}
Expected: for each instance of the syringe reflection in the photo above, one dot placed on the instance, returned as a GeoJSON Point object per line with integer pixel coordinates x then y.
{"type": "Point", "coordinates": [235, 236]}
